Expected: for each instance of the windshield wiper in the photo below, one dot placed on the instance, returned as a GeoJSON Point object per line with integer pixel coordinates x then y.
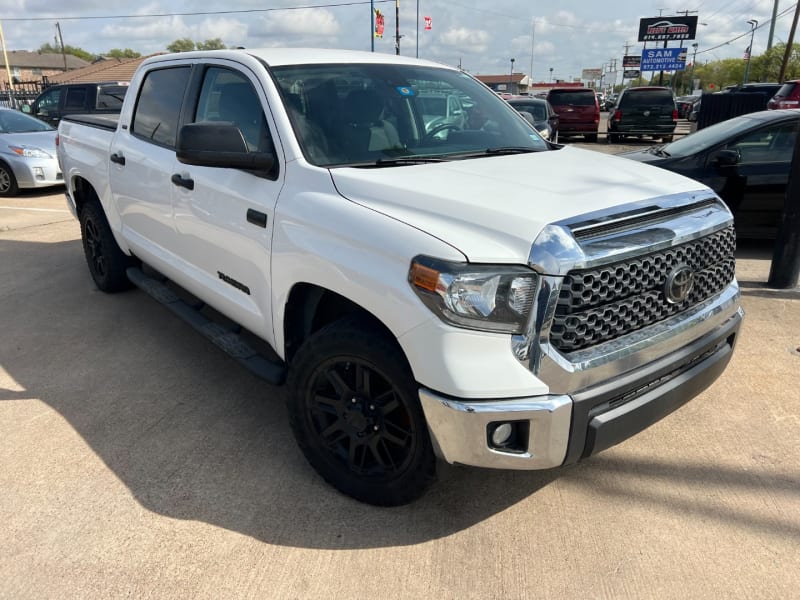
{"type": "Point", "coordinates": [509, 150]}
{"type": "Point", "coordinates": [499, 151]}
{"type": "Point", "coordinates": [399, 161]}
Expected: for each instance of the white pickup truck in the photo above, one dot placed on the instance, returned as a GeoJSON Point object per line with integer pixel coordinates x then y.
{"type": "Point", "coordinates": [462, 290]}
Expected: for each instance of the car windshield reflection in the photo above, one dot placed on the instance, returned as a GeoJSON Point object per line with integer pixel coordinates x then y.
{"type": "Point", "coordinates": [356, 115]}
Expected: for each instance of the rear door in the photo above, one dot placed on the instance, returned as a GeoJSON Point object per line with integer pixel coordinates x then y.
{"type": "Point", "coordinates": [647, 109]}
{"type": "Point", "coordinates": [142, 161]}
{"type": "Point", "coordinates": [574, 107]}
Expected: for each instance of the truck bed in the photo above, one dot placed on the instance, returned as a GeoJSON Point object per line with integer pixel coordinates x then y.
{"type": "Point", "coordinates": [103, 121]}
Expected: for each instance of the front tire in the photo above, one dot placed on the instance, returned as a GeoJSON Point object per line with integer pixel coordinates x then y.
{"type": "Point", "coordinates": [107, 263]}
{"type": "Point", "coordinates": [8, 183]}
{"type": "Point", "coordinates": [354, 409]}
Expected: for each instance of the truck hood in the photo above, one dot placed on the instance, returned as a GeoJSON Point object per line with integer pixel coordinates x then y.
{"type": "Point", "coordinates": [491, 209]}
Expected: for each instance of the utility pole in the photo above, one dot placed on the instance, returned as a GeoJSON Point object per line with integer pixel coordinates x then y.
{"type": "Point", "coordinates": [417, 28]}
{"type": "Point", "coordinates": [397, 27]}
{"type": "Point", "coordinates": [789, 43]}
{"type": "Point", "coordinates": [772, 24]}
{"type": "Point", "coordinates": [61, 42]}
{"type": "Point", "coordinates": [372, 25]}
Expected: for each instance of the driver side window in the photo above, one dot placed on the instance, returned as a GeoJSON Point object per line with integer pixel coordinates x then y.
{"type": "Point", "coordinates": [769, 144]}
{"type": "Point", "coordinates": [228, 96]}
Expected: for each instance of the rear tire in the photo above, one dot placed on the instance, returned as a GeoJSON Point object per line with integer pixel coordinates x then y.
{"type": "Point", "coordinates": [8, 183]}
{"type": "Point", "coordinates": [354, 409]}
{"type": "Point", "coordinates": [591, 137]}
{"type": "Point", "coordinates": [613, 138]}
{"type": "Point", "coordinates": [666, 139]}
{"type": "Point", "coordinates": [107, 263]}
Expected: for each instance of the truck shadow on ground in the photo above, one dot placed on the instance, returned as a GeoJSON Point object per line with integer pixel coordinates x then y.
{"type": "Point", "coordinates": [194, 436]}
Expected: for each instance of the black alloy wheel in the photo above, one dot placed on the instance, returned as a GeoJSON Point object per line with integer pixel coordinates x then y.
{"type": "Point", "coordinates": [106, 261]}
{"type": "Point", "coordinates": [356, 415]}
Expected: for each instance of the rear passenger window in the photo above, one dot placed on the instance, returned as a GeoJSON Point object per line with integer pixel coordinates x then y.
{"type": "Point", "coordinates": [574, 98]}
{"type": "Point", "coordinates": [76, 98]}
{"type": "Point", "coordinates": [159, 105]}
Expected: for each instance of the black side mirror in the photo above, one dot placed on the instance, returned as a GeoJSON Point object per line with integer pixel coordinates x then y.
{"type": "Point", "coordinates": [219, 145]}
{"type": "Point", "coordinates": [727, 158]}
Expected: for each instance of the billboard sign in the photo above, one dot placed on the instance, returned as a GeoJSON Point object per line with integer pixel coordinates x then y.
{"type": "Point", "coordinates": [663, 59]}
{"type": "Point", "coordinates": [631, 61]}
{"type": "Point", "coordinates": [591, 74]}
{"type": "Point", "coordinates": [631, 74]}
{"type": "Point", "coordinates": [662, 29]}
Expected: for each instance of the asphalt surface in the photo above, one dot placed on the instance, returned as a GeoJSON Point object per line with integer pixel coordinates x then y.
{"type": "Point", "coordinates": [137, 460]}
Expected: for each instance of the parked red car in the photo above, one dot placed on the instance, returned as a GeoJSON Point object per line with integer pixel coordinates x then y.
{"type": "Point", "coordinates": [578, 111]}
{"type": "Point", "coordinates": [786, 97]}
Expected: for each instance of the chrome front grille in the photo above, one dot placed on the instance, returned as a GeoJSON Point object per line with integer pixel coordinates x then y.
{"type": "Point", "coordinates": [604, 303]}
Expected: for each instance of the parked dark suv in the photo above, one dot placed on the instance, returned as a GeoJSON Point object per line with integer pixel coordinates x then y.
{"type": "Point", "coordinates": [788, 96]}
{"type": "Point", "coordinates": [578, 111]}
{"type": "Point", "coordinates": [77, 98]}
{"type": "Point", "coordinates": [643, 111]}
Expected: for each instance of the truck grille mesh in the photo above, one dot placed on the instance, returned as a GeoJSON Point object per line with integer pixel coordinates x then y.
{"type": "Point", "coordinates": [604, 303]}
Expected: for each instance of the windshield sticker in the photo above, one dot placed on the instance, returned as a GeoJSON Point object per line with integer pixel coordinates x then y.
{"type": "Point", "coordinates": [405, 91]}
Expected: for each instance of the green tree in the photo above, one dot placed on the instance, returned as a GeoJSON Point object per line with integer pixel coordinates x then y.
{"type": "Point", "coordinates": [215, 44]}
{"type": "Point", "coordinates": [126, 53]}
{"type": "Point", "coordinates": [181, 45]}
{"type": "Point", "coordinates": [79, 52]}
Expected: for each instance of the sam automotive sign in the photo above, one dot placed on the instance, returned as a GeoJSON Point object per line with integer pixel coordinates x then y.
{"type": "Point", "coordinates": [657, 29]}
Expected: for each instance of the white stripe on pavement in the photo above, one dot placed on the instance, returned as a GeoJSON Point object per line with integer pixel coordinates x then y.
{"type": "Point", "coordinates": [59, 210]}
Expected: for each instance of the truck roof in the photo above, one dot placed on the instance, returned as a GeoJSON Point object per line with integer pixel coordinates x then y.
{"type": "Point", "coordinates": [298, 56]}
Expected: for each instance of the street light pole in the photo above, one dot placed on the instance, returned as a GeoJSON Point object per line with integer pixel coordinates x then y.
{"type": "Point", "coordinates": [753, 24]}
{"type": "Point", "coordinates": [694, 60]}
{"type": "Point", "coordinates": [511, 79]}
{"type": "Point", "coordinates": [551, 74]}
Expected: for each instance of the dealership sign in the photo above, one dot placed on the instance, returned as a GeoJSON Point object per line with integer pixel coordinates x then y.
{"type": "Point", "coordinates": [591, 74]}
{"type": "Point", "coordinates": [631, 61]}
{"type": "Point", "coordinates": [662, 29]}
{"type": "Point", "coordinates": [663, 59]}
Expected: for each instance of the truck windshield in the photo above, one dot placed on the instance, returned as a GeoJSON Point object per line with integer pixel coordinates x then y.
{"type": "Point", "coordinates": [373, 114]}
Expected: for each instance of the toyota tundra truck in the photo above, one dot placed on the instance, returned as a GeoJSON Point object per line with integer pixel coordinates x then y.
{"type": "Point", "coordinates": [466, 291]}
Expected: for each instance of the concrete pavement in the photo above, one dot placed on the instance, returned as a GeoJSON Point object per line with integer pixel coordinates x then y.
{"type": "Point", "coordinates": [137, 460]}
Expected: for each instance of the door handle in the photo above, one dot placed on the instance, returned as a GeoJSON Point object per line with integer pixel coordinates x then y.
{"type": "Point", "coordinates": [256, 218]}
{"type": "Point", "coordinates": [117, 158]}
{"type": "Point", "coordinates": [187, 183]}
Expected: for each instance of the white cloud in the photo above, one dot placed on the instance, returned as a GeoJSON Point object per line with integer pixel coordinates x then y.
{"type": "Point", "coordinates": [471, 40]}
{"type": "Point", "coordinates": [320, 22]}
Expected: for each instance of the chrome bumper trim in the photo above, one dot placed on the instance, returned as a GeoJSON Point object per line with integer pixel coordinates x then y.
{"type": "Point", "coordinates": [459, 430]}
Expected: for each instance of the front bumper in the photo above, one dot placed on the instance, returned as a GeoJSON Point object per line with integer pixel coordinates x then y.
{"type": "Point", "coordinates": [562, 429]}
{"type": "Point", "coordinates": [35, 172]}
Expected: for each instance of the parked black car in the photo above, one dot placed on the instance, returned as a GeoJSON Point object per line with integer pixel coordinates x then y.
{"type": "Point", "coordinates": [77, 98]}
{"type": "Point", "coordinates": [746, 160]}
{"type": "Point", "coordinates": [545, 119]}
{"type": "Point", "coordinates": [643, 111]}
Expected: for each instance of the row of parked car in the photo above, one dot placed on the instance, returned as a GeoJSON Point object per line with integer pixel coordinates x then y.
{"type": "Point", "coordinates": [28, 150]}
{"type": "Point", "coordinates": [746, 159]}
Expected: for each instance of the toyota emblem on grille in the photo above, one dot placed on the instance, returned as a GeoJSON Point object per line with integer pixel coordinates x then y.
{"type": "Point", "coordinates": [679, 284]}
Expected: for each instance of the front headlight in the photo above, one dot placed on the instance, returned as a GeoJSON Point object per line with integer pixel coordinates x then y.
{"type": "Point", "coordinates": [30, 152]}
{"type": "Point", "coordinates": [483, 297]}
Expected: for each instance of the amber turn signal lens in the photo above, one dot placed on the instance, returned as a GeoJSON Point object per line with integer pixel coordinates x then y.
{"type": "Point", "coordinates": [424, 277]}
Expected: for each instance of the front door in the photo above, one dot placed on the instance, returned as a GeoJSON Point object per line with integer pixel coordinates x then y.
{"type": "Point", "coordinates": [224, 218]}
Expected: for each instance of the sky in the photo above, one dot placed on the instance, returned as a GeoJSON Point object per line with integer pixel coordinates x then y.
{"type": "Point", "coordinates": [481, 36]}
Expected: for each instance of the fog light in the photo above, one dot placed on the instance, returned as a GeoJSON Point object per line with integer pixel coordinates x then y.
{"type": "Point", "coordinates": [501, 434]}
{"type": "Point", "coordinates": [38, 173]}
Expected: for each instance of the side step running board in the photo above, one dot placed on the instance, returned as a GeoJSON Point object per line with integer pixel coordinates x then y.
{"type": "Point", "coordinates": [230, 342]}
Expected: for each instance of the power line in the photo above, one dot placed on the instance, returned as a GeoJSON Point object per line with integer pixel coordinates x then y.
{"type": "Point", "coordinates": [738, 37]}
{"type": "Point", "coordinates": [195, 14]}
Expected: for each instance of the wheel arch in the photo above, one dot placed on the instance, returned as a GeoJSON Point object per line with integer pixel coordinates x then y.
{"type": "Point", "coordinates": [82, 192]}
{"type": "Point", "coordinates": [310, 307]}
